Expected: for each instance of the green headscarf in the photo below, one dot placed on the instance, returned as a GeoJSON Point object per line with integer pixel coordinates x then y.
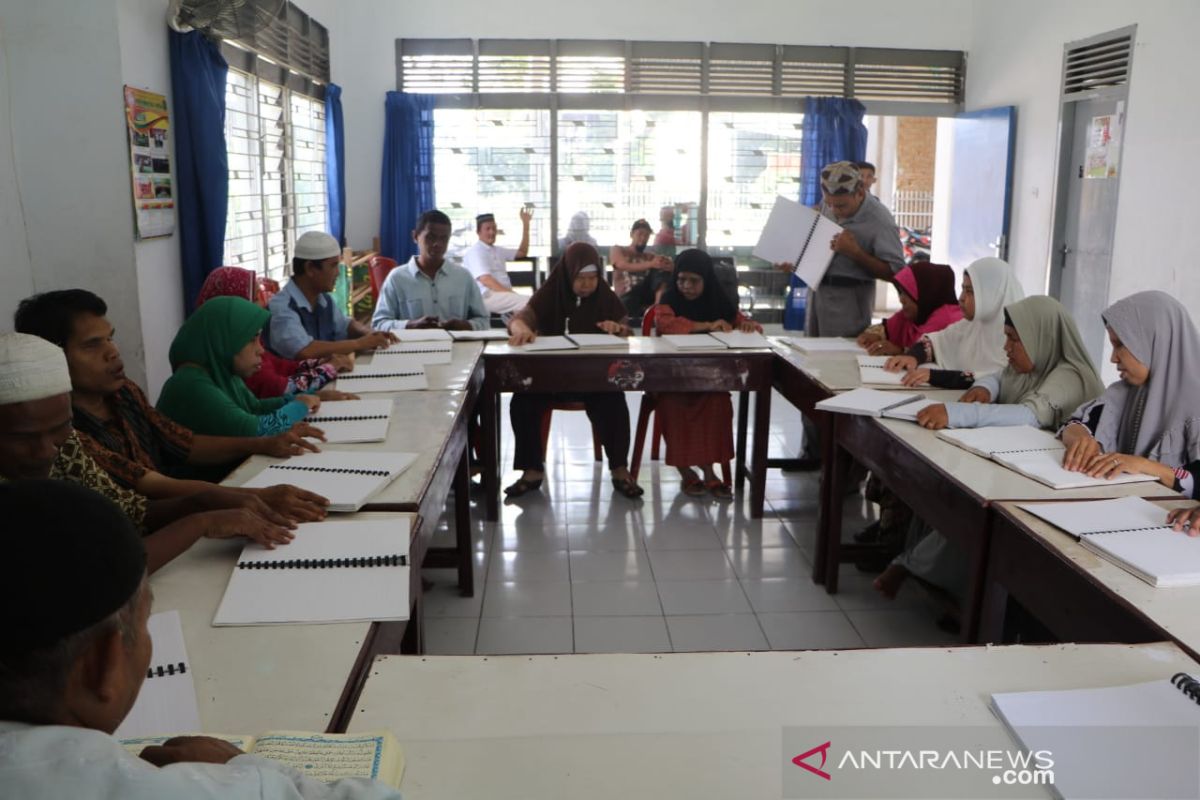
{"type": "Point", "coordinates": [1063, 376]}
{"type": "Point", "coordinates": [213, 335]}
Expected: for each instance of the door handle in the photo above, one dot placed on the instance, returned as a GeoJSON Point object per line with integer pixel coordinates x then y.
{"type": "Point", "coordinates": [1064, 251]}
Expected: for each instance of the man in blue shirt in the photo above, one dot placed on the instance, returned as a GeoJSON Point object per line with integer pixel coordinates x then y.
{"type": "Point", "coordinates": [428, 291]}
{"type": "Point", "coordinates": [305, 321]}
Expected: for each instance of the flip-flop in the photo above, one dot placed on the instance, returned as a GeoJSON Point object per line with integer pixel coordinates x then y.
{"type": "Point", "coordinates": [694, 487]}
{"type": "Point", "coordinates": [522, 486]}
{"type": "Point", "coordinates": [627, 487]}
{"type": "Point", "coordinates": [719, 490]}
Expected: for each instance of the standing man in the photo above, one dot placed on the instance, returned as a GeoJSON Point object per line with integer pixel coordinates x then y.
{"type": "Point", "coordinates": [429, 291]}
{"type": "Point", "coordinates": [635, 279]}
{"type": "Point", "coordinates": [305, 321]}
{"type": "Point", "coordinates": [867, 170]}
{"type": "Point", "coordinates": [485, 261]}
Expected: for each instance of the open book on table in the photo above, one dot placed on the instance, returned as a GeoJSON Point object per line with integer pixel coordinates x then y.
{"type": "Point", "coordinates": [869, 402]}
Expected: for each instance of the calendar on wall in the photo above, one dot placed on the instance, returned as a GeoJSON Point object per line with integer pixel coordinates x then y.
{"type": "Point", "coordinates": [150, 162]}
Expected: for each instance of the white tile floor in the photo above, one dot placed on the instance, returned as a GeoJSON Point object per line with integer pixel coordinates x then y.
{"type": "Point", "coordinates": [576, 569]}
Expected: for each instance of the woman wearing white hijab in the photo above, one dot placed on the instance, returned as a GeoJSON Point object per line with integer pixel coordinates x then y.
{"type": "Point", "coordinates": [975, 344]}
{"type": "Point", "coordinates": [1148, 422]}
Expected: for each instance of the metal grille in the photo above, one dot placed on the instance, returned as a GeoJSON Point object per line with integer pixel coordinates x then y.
{"type": "Point", "coordinates": [493, 161]}
{"type": "Point", "coordinates": [296, 48]}
{"type": "Point", "coordinates": [1098, 65]}
{"type": "Point", "coordinates": [275, 140]}
{"type": "Point", "coordinates": [913, 210]}
{"type": "Point", "coordinates": [751, 159]}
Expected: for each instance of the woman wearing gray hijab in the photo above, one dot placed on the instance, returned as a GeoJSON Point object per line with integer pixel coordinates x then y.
{"type": "Point", "coordinates": [1149, 421]}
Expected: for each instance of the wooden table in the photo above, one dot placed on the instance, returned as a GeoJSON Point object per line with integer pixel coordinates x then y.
{"type": "Point", "coordinates": [699, 725]}
{"type": "Point", "coordinates": [1075, 593]}
{"type": "Point", "coordinates": [948, 487]}
{"type": "Point", "coordinates": [648, 364]}
{"type": "Point", "coordinates": [251, 678]}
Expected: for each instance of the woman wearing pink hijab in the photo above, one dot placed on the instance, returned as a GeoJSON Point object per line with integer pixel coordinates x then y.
{"type": "Point", "coordinates": [928, 304]}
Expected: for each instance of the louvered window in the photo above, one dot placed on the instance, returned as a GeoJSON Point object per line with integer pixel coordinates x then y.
{"type": "Point", "coordinates": [666, 68]}
{"type": "Point", "coordinates": [514, 66]}
{"type": "Point", "coordinates": [292, 51]}
{"type": "Point", "coordinates": [437, 66]}
{"type": "Point", "coordinates": [812, 71]}
{"type": "Point", "coordinates": [1098, 64]}
{"type": "Point", "coordinates": [907, 75]}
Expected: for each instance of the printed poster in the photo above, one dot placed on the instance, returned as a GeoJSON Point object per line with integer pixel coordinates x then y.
{"type": "Point", "coordinates": [153, 195]}
{"type": "Point", "coordinates": [1103, 146]}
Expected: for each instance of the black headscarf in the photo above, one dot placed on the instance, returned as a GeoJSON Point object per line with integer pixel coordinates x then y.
{"type": "Point", "coordinates": [712, 304]}
{"type": "Point", "coordinates": [555, 302]}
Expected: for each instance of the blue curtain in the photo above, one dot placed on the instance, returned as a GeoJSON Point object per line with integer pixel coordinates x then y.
{"type": "Point", "coordinates": [833, 131]}
{"type": "Point", "coordinates": [201, 167]}
{"type": "Point", "coordinates": [335, 163]}
{"type": "Point", "coordinates": [407, 171]}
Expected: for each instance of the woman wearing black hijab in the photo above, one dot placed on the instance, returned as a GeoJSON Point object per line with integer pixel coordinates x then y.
{"type": "Point", "coordinates": [573, 299]}
{"type": "Point", "coordinates": [698, 427]}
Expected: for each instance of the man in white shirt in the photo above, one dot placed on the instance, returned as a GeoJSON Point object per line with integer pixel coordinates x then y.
{"type": "Point", "coordinates": [485, 261]}
{"type": "Point", "coordinates": [74, 605]}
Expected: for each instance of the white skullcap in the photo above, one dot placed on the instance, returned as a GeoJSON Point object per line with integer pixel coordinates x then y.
{"type": "Point", "coordinates": [31, 368]}
{"type": "Point", "coordinates": [316, 246]}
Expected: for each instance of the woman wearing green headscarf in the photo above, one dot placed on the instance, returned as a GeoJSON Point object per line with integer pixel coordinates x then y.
{"type": "Point", "coordinates": [214, 351]}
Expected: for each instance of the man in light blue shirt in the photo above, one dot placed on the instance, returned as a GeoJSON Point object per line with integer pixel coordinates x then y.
{"type": "Point", "coordinates": [428, 291]}
{"type": "Point", "coordinates": [305, 321]}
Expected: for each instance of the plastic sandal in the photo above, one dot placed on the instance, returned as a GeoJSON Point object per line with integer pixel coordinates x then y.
{"type": "Point", "coordinates": [721, 491]}
{"type": "Point", "coordinates": [694, 487]}
{"type": "Point", "coordinates": [523, 486]}
{"type": "Point", "coordinates": [628, 488]}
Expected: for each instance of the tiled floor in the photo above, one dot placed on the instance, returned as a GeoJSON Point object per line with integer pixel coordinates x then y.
{"type": "Point", "coordinates": [576, 569]}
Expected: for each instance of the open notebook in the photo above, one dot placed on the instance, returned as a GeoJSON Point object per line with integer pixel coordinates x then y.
{"type": "Point", "coordinates": [167, 700]}
{"type": "Point", "coordinates": [1138, 740]}
{"type": "Point", "coordinates": [909, 410]}
{"type": "Point", "coordinates": [546, 343]}
{"type": "Point", "coordinates": [737, 340]}
{"type": "Point", "coordinates": [351, 421]}
{"type": "Point", "coordinates": [490, 335]}
{"type": "Point", "coordinates": [693, 341]}
{"type": "Point", "coordinates": [324, 757]}
{"type": "Point", "coordinates": [422, 335]}
{"type": "Point", "coordinates": [416, 353]}
{"type": "Point", "coordinates": [347, 479]}
{"type": "Point", "coordinates": [1033, 453]}
{"type": "Point", "coordinates": [796, 234]}
{"type": "Point", "coordinates": [816, 344]}
{"type": "Point", "coordinates": [868, 402]}
{"type": "Point", "coordinates": [586, 340]}
{"type": "Point", "coordinates": [399, 373]}
{"type": "Point", "coordinates": [333, 571]}
{"type": "Point", "coordinates": [871, 372]}
{"type": "Point", "coordinates": [1132, 533]}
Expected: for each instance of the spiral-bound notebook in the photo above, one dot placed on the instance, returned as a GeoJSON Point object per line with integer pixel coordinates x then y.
{"type": "Point", "coordinates": [872, 373]}
{"type": "Point", "coordinates": [738, 340]}
{"type": "Point", "coordinates": [1034, 453]}
{"type": "Point", "coordinates": [333, 571]}
{"type": "Point", "coordinates": [867, 402]}
{"type": "Point", "coordinates": [795, 234]}
{"type": "Point", "coordinates": [818, 344]}
{"type": "Point", "coordinates": [491, 335]}
{"type": "Point", "coordinates": [1132, 533]}
{"type": "Point", "coordinates": [546, 343]}
{"type": "Point", "coordinates": [347, 479]}
{"type": "Point", "coordinates": [353, 421]}
{"type": "Point", "coordinates": [422, 335]}
{"type": "Point", "coordinates": [1138, 740]}
{"type": "Point", "coordinates": [416, 353]}
{"type": "Point", "coordinates": [586, 340]}
{"type": "Point", "coordinates": [167, 700]}
{"type": "Point", "coordinates": [385, 375]}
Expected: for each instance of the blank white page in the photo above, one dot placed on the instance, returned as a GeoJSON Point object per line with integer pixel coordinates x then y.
{"type": "Point", "coordinates": [693, 341]}
{"type": "Point", "coordinates": [547, 343]}
{"type": "Point", "coordinates": [797, 234]}
{"type": "Point", "coordinates": [387, 364]}
{"type": "Point", "coordinates": [1159, 556]}
{"type": "Point", "coordinates": [166, 703]}
{"type": "Point", "coordinates": [489, 335]}
{"type": "Point", "coordinates": [422, 335]}
{"type": "Point", "coordinates": [989, 440]}
{"type": "Point", "coordinates": [871, 371]}
{"type": "Point", "coordinates": [826, 344]}
{"type": "Point", "coordinates": [909, 411]}
{"type": "Point", "coordinates": [866, 402]}
{"type": "Point", "coordinates": [597, 340]}
{"type": "Point", "coordinates": [347, 480]}
{"type": "Point", "coordinates": [296, 583]}
{"type": "Point", "coordinates": [1097, 516]}
{"type": "Point", "coordinates": [738, 339]}
{"type": "Point", "coordinates": [351, 421]}
{"type": "Point", "coordinates": [1046, 467]}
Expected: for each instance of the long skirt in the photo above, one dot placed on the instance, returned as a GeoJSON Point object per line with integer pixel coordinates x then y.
{"type": "Point", "coordinates": [697, 427]}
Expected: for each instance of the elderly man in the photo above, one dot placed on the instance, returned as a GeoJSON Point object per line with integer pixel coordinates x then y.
{"type": "Point", "coordinates": [635, 278]}
{"type": "Point", "coordinates": [305, 321]}
{"type": "Point", "coordinates": [37, 441]}
{"type": "Point", "coordinates": [118, 427]}
{"type": "Point", "coordinates": [76, 649]}
{"type": "Point", "coordinates": [485, 261]}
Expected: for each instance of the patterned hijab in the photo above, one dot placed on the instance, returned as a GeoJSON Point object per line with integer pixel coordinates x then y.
{"type": "Point", "coordinates": [213, 335]}
{"type": "Point", "coordinates": [1063, 376]}
{"type": "Point", "coordinates": [977, 345]}
{"type": "Point", "coordinates": [227, 282]}
{"type": "Point", "coordinates": [555, 304]}
{"type": "Point", "coordinates": [1159, 419]}
{"type": "Point", "coordinates": [712, 304]}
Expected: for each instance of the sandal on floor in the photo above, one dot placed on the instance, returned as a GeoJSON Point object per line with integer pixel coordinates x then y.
{"type": "Point", "coordinates": [522, 486]}
{"type": "Point", "coordinates": [627, 487]}
{"type": "Point", "coordinates": [694, 487]}
{"type": "Point", "coordinates": [719, 490]}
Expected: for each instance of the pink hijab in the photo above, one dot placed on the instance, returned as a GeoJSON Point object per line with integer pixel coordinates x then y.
{"type": "Point", "coordinates": [932, 286]}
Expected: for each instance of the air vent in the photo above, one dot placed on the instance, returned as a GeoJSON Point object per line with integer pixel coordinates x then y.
{"type": "Point", "coordinates": [1098, 65]}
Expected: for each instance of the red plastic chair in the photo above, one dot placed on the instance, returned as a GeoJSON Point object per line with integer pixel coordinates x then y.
{"type": "Point", "coordinates": [265, 289]}
{"type": "Point", "coordinates": [597, 449]}
{"type": "Point", "coordinates": [644, 412]}
{"type": "Point", "coordinates": [378, 268]}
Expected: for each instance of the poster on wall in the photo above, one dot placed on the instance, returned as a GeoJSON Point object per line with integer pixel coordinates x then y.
{"type": "Point", "coordinates": [153, 196]}
{"type": "Point", "coordinates": [1103, 146]}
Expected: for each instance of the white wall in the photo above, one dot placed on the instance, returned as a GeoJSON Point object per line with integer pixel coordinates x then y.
{"type": "Point", "coordinates": [363, 35]}
{"type": "Point", "coordinates": [65, 182]}
{"type": "Point", "coordinates": [145, 64]}
{"type": "Point", "coordinates": [1016, 58]}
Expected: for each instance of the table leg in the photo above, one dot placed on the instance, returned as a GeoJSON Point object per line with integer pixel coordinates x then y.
{"type": "Point", "coordinates": [739, 465]}
{"type": "Point", "coordinates": [413, 643]}
{"type": "Point", "coordinates": [758, 458]}
{"type": "Point", "coordinates": [840, 462]}
{"type": "Point", "coordinates": [462, 527]}
{"type": "Point", "coordinates": [976, 576]}
{"type": "Point", "coordinates": [825, 425]}
{"type": "Point", "coordinates": [489, 449]}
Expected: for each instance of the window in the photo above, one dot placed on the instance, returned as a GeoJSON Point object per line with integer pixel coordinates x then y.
{"type": "Point", "coordinates": [275, 139]}
{"type": "Point", "coordinates": [751, 159]}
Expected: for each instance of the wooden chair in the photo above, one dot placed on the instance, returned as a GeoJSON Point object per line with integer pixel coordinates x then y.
{"type": "Point", "coordinates": [378, 268]}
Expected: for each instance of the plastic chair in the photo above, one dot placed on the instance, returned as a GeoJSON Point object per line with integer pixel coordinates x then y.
{"type": "Point", "coordinates": [264, 290]}
{"type": "Point", "coordinates": [597, 449]}
{"type": "Point", "coordinates": [644, 412]}
{"type": "Point", "coordinates": [378, 268]}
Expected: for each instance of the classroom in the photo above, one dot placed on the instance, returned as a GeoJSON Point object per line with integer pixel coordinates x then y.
{"type": "Point", "coordinates": [571, 400]}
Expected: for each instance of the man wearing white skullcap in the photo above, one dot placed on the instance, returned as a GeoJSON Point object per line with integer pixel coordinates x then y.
{"type": "Point", "coordinates": [305, 320]}
{"type": "Point", "coordinates": [37, 441]}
